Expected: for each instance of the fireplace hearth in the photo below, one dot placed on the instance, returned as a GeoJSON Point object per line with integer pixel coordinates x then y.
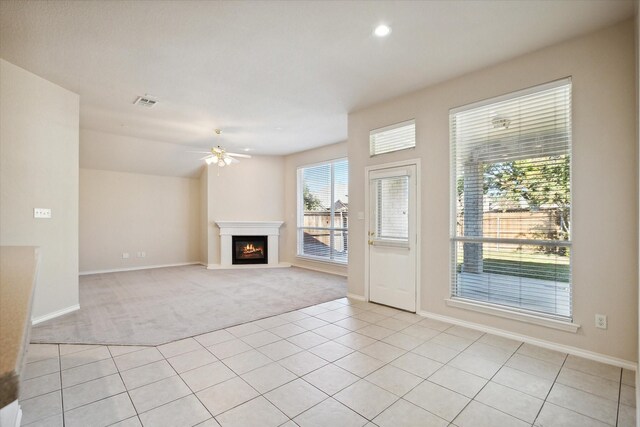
{"type": "Point", "coordinates": [249, 250]}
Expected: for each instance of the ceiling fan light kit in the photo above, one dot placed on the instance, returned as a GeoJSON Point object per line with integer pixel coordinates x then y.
{"type": "Point", "coordinates": [219, 156]}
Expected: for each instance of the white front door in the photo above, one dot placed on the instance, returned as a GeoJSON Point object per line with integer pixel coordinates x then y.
{"type": "Point", "coordinates": [392, 237]}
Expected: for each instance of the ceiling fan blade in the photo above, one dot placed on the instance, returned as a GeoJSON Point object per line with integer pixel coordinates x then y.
{"type": "Point", "coordinates": [206, 157]}
{"type": "Point", "coordinates": [233, 160]}
{"type": "Point", "coordinates": [244, 156]}
{"type": "Point", "coordinates": [199, 152]}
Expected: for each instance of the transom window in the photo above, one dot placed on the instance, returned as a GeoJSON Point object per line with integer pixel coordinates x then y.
{"type": "Point", "coordinates": [399, 136]}
{"type": "Point", "coordinates": [511, 201]}
{"type": "Point", "coordinates": [323, 207]}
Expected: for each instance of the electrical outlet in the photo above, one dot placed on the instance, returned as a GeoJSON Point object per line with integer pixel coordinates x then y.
{"type": "Point", "coordinates": [41, 213]}
{"type": "Point", "coordinates": [125, 255]}
{"type": "Point", "coordinates": [601, 321]}
{"type": "Point", "coordinates": [141, 254]}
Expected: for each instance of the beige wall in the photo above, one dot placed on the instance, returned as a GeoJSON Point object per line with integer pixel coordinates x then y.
{"type": "Point", "coordinates": [39, 169]}
{"type": "Point", "coordinates": [252, 190]}
{"type": "Point", "coordinates": [637, 23]}
{"type": "Point", "coordinates": [127, 212]}
{"type": "Point", "coordinates": [112, 152]}
{"type": "Point", "coordinates": [605, 184]}
{"type": "Point", "coordinates": [289, 239]}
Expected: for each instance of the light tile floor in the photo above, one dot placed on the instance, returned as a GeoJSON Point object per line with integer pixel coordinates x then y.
{"type": "Point", "coordinates": [341, 363]}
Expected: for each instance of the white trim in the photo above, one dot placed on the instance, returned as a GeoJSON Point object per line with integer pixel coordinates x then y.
{"type": "Point", "coordinates": [512, 95]}
{"type": "Point", "coordinates": [392, 126]}
{"type": "Point", "coordinates": [250, 224]}
{"type": "Point", "coordinates": [409, 162]}
{"type": "Point", "coordinates": [322, 270]}
{"type": "Point", "coordinates": [54, 314]}
{"type": "Point", "coordinates": [591, 355]}
{"type": "Point", "coordinates": [11, 414]}
{"type": "Point", "coordinates": [323, 162]}
{"type": "Point", "coordinates": [514, 315]}
{"type": "Point", "coordinates": [246, 266]}
{"type": "Point", "coordinates": [321, 260]}
{"type": "Point", "coordinates": [356, 297]}
{"type": "Point", "coordinates": [142, 267]}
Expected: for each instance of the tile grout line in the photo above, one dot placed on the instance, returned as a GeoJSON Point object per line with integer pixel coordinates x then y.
{"type": "Point", "coordinates": [245, 381]}
{"type": "Point", "coordinates": [619, 396]}
{"type": "Point", "coordinates": [188, 386]}
{"type": "Point", "coordinates": [125, 387]}
{"type": "Point", "coordinates": [61, 388]}
{"type": "Point", "coordinates": [381, 367]}
{"type": "Point", "coordinates": [447, 364]}
{"type": "Point", "coordinates": [551, 388]}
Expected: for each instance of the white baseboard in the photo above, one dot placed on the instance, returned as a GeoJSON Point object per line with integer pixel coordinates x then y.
{"type": "Point", "coordinates": [591, 355]}
{"type": "Point", "coordinates": [246, 266]}
{"type": "Point", "coordinates": [319, 269]}
{"type": "Point", "coordinates": [144, 267]}
{"type": "Point", "coordinates": [11, 415]}
{"type": "Point", "coordinates": [356, 297]}
{"type": "Point", "coordinates": [53, 315]}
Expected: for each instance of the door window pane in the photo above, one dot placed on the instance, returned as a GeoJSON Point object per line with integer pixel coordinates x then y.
{"type": "Point", "coordinates": [392, 208]}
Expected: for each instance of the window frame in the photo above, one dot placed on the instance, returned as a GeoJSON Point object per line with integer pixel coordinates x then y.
{"type": "Point", "coordinates": [300, 228]}
{"type": "Point", "coordinates": [550, 320]}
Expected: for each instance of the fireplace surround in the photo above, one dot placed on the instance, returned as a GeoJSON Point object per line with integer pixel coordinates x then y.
{"type": "Point", "coordinates": [244, 229]}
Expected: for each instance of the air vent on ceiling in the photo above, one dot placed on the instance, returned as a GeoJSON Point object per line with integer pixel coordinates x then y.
{"type": "Point", "coordinates": [145, 101]}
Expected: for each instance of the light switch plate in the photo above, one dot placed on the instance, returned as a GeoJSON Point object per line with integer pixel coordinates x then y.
{"type": "Point", "coordinates": [41, 213]}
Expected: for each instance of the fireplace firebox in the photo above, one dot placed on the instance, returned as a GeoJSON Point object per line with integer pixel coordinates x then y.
{"type": "Point", "coordinates": [249, 250]}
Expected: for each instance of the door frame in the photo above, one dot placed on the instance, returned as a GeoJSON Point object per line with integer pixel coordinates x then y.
{"type": "Point", "coordinates": [367, 222]}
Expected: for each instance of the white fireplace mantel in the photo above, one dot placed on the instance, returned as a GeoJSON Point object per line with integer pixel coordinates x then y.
{"type": "Point", "coordinates": [271, 229]}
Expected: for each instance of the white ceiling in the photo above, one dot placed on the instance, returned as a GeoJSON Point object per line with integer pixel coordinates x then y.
{"type": "Point", "coordinates": [277, 77]}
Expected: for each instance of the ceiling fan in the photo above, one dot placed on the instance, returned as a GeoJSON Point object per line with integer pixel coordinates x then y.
{"type": "Point", "coordinates": [220, 156]}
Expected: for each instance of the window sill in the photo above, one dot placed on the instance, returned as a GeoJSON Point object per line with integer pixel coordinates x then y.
{"type": "Point", "coordinates": [513, 315]}
{"type": "Point", "coordinates": [321, 260]}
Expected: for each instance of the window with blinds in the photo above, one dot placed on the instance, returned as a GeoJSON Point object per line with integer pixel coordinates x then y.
{"type": "Point", "coordinates": [511, 201]}
{"type": "Point", "coordinates": [323, 207]}
{"type": "Point", "coordinates": [392, 206]}
{"type": "Point", "coordinates": [392, 138]}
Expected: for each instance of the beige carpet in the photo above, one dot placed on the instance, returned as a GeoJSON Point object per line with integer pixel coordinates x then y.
{"type": "Point", "coordinates": [152, 307]}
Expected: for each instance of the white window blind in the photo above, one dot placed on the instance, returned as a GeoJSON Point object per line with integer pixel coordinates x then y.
{"type": "Point", "coordinates": [323, 207]}
{"type": "Point", "coordinates": [392, 138]}
{"type": "Point", "coordinates": [392, 205]}
{"type": "Point", "coordinates": [511, 201]}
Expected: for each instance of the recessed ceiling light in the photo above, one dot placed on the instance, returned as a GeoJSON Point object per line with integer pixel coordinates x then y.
{"type": "Point", "coordinates": [246, 149]}
{"type": "Point", "coordinates": [382, 30]}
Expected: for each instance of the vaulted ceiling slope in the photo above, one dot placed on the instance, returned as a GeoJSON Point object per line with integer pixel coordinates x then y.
{"type": "Point", "coordinates": [278, 77]}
